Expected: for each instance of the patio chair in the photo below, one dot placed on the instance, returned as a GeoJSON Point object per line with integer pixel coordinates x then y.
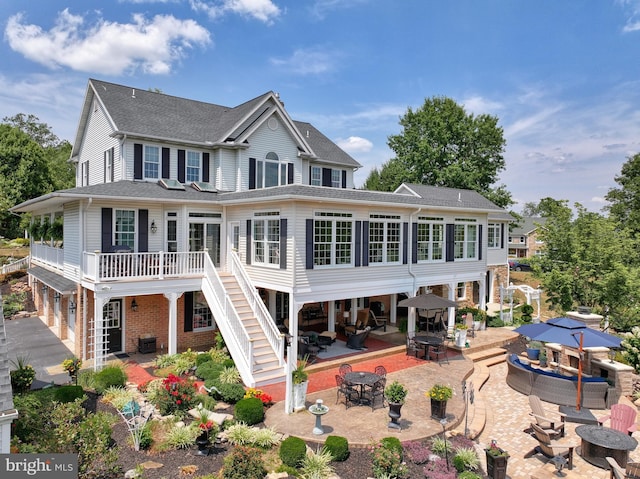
{"type": "Point", "coordinates": [356, 340]}
{"type": "Point", "coordinates": [550, 421]}
{"type": "Point", "coordinates": [439, 352]}
{"type": "Point", "coordinates": [351, 395]}
{"type": "Point", "coordinates": [412, 347]}
{"type": "Point", "coordinates": [621, 418]}
{"type": "Point", "coordinates": [551, 448]}
{"type": "Point", "coordinates": [374, 394]}
{"type": "Point", "coordinates": [631, 471]}
{"type": "Point", "coordinates": [377, 323]}
{"type": "Point", "coordinates": [344, 369]}
{"type": "Point", "coordinates": [381, 371]}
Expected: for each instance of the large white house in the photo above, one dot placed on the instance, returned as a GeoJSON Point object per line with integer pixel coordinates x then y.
{"type": "Point", "coordinates": [189, 217]}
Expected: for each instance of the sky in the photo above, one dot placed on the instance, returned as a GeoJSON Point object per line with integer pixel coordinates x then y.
{"type": "Point", "coordinates": [562, 77]}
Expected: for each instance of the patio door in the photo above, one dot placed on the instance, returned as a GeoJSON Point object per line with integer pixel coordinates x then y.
{"type": "Point", "coordinates": [112, 315]}
{"type": "Point", "coordinates": [205, 235]}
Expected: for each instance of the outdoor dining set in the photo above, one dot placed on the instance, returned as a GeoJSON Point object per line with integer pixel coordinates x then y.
{"type": "Point", "coordinates": [428, 347]}
{"type": "Point", "coordinates": [361, 387]}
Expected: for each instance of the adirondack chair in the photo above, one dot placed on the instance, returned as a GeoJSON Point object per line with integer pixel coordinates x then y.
{"type": "Point", "coordinates": [551, 448]}
{"type": "Point", "coordinates": [621, 418]}
{"type": "Point", "coordinates": [631, 471]}
{"type": "Point", "coordinates": [548, 420]}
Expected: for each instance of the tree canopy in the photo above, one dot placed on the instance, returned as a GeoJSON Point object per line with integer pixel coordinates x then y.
{"type": "Point", "coordinates": [624, 202]}
{"type": "Point", "coordinates": [443, 145]}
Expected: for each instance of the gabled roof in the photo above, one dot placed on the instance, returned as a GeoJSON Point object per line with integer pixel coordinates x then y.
{"type": "Point", "coordinates": [451, 197]}
{"type": "Point", "coordinates": [527, 225]}
{"type": "Point", "coordinates": [147, 114]}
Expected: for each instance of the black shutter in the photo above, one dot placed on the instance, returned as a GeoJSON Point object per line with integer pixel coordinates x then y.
{"type": "Point", "coordinates": [405, 243]}
{"type": "Point", "coordinates": [310, 170]}
{"type": "Point", "coordinates": [252, 173]}
{"type": "Point", "coordinates": [249, 241]}
{"type": "Point", "coordinates": [137, 161]}
{"type": "Point", "coordinates": [181, 166]}
{"type": "Point", "coordinates": [326, 176]}
{"type": "Point", "coordinates": [344, 178]}
{"type": "Point", "coordinates": [205, 167]}
{"type": "Point", "coordinates": [166, 163]}
{"type": "Point", "coordinates": [309, 243]}
{"type": "Point", "coordinates": [188, 311]}
{"type": "Point", "coordinates": [480, 243]}
{"type": "Point", "coordinates": [365, 243]}
{"type": "Point", "coordinates": [283, 243]}
{"type": "Point", "coordinates": [289, 173]}
{"type": "Point", "coordinates": [366, 302]}
{"type": "Point", "coordinates": [107, 229]}
{"type": "Point", "coordinates": [502, 236]}
{"type": "Point", "coordinates": [449, 241]}
{"type": "Point", "coordinates": [414, 243]}
{"type": "Point", "coordinates": [143, 231]}
{"type": "Point", "coordinates": [358, 252]}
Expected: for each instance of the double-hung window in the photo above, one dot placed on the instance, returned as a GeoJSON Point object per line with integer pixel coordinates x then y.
{"type": "Point", "coordinates": [384, 239]}
{"type": "Point", "coordinates": [494, 237]}
{"type": "Point", "coordinates": [108, 165]}
{"type": "Point", "coordinates": [193, 166]}
{"type": "Point", "coordinates": [332, 239]}
{"type": "Point", "coordinates": [336, 178]}
{"type": "Point", "coordinates": [270, 172]}
{"type": "Point", "coordinates": [266, 238]}
{"type": "Point", "coordinates": [316, 176]}
{"type": "Point", "coordinates": [465, 239]}
{"type": "Point", "coordinates": [430, 238]}
{"type": "Point", "coordinates": [125, 228]}
{"type": "Point", "coordinates": [202, 317]}
{"type": "Point", "coordinates": [151, 162]}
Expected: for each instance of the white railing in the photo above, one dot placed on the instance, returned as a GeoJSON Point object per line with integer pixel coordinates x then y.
{"type": "Point", "coordinates": [228, 320]}
{"type": "Point", "coordinates": [158, 265]}
{"type": "Point", "coordinates": [48, 255]}
{"type": "Point", "coordinates": [17, 265]}
{"type": "Point", "coordinates": [271, 331]}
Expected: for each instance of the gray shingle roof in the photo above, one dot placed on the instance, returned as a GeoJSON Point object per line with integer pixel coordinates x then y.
{"type": "Point", "coordinates": [6, 394]}
{"type": "Point", "coordinates": [527, 225]}
{"type": "Point", "coordinates": [323, 147]}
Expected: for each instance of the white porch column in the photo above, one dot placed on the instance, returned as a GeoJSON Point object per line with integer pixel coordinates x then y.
{"type": "Point", "coordinates": [482, 293]}
{"type": "Point", "coordinates": [99, 334]}
{"type": "Point", "coordinates": [451, 317]}
{"type": "Point", "coordinates": [331, 316]}
{"type": "Point", "coordinates": [393, 309]}
{"type": "Point", "coordinates": [172, 346]}
{"type": "Point", "coordinates": [272, 303]}
{"type": "Point", "coordinates": [292, 353]}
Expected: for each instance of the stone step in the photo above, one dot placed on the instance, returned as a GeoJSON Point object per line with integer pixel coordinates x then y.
{"type": "Point", "coordinates": [484, 354]}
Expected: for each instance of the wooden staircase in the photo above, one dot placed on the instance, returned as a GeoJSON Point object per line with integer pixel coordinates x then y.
{"type": "Point", "coordinates": [266, 364]}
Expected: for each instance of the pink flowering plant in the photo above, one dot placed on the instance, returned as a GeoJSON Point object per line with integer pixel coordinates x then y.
{"type": "Point", "coordinates": [176, 395]}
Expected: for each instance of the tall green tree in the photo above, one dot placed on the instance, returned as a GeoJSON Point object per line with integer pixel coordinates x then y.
{"type": "Point", "coordinates": [443, 145]}
{"type": "Point", "coordinates": [624, 202]}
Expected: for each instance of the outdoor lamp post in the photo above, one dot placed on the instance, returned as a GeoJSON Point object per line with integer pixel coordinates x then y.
{"type": "Point", "coordinates": [443, 421]}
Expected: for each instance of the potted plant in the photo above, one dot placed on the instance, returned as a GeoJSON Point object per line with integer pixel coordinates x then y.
{"type": "Point", "coordinates": [72, 365]}
{"type": "Point", "coordinates": [439, 394]}
{"type": "Point", "coordinates": [533, 350]}
{"type": "Point", "coordinates": [395, 393]}
{"type": "Point", "coordinates": [496, 461]}
{"type": "Point", "coordinates": [461, 334]}
{"type": "Point", "coordinates": [300, 380]}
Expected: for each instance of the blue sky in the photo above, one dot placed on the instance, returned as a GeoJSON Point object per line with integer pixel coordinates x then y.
{"type": "Point", "coordinates": [562, 76]}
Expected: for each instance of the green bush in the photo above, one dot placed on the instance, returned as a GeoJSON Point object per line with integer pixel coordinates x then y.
{"type": "Point", "coordinates": [86, 379]}
{"type": "Point", "coordinates": [249, 411]}
{"type": "Point", "coordinates": [244, 463]}
{"type": "Point", "coordinates": [209, 370]}
{"type": "Point", "coordinates": [68, 393]}
{"type": "Point", "coordinates": [229, 393]}
{"type": "Point", "coordinates": [146, 437]}
{"type": "Point", "coordinates": [203, 358]}
{"type": "Point", "coordinates": [292, 451]}
{"type": "Point", "coordinates": [23, 375]}
{"type": "Point", "coordinates": [338, 446]}
{"type": "Point", "coordinates": [109, 376]}
{"type": "Point", "coordinates": [495, 322]}
{"type": "Point", "coordinates": [393, 444]}
{"type": "Point", "coordinates": [469, 475]}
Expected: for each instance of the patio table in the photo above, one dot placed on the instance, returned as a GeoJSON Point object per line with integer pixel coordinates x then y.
{"type": "Point", "coordinates": [362, 379]}
{"type": "Point", "coordinates": [427, 341]}
{"type": "Point", "coordinates": [598, 442]}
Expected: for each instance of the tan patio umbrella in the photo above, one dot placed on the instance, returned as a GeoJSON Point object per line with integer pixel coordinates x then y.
{"type": "Point", "coordinates": [428, 301]}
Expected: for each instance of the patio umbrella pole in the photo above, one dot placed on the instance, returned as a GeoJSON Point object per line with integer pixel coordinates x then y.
{"type": "Point", "coordinates": [579, 372]}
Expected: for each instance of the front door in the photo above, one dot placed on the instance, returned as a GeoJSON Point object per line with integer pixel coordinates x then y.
{"type": "Point", "coordinates": [112, 314]}
{"type": "Point", "coordinates": [205, 235]}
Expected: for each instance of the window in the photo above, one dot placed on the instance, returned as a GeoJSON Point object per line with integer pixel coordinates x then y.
{"type": "Point", "coordinates": [332, 239]}
{"type": "Point", "coordinates": [384, 239]}
{"type": "Point", "coordinates": [493, 232]}
{"type": "Point", "coordinates": [266, 239]}
{"type": "Point", "coordinates": [108, 165]}
{"type": "Point", "coordinates": [125, 228]}
{"type": "Point", "coordinates": [193, 166]}
{"type": "Point", "coordinates": [430, 238]}
{"type": "Point", "coordinates": [461, 291]}
{"type": "Point", "coordinates": [172, 232]}
{"type": "Point", "coordinates": [151, 162]}
{"type": "Point", "coordinates": [465, 238]}
{"type": "Point", "coordinates": [84, 174]}
{"type": "Point", "coordinates": [202, 317]}
{"type": "Point", "coordinates": [270, 172]}
{"type": "Point", "coordinates": [336, 178]}
{"type": "Point", "coordinates": [316, 176]}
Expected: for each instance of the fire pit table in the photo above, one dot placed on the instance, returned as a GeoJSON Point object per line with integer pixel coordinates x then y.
{"type": "Point", "coordinates": [598, 442]}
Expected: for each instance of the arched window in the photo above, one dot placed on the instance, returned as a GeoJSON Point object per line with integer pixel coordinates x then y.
{"type": "Point", "coordinates": [271, 172]}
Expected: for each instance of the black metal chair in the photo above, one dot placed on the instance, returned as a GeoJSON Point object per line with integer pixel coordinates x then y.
{"type": "Point", "coordinates": [344, 369]}
{"type": "Point", "coordinates": [412, 347]}
{"type": "Point", "coordinates": [439, 352]}
{"type": "Point", "coordinates": [381, 371]}
{"type": "Point", "coordinates": [351, 395]}
{"type": "Point", "coordinates": [375, 394]}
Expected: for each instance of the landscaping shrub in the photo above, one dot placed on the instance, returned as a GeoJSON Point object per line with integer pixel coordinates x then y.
{"type": "Point", "coordinates": [243, 463]}
{"type": "Point", "coordinates": [229, 393]}
{"type": "Point", "coordinates": [466, 459]}
{"type": "Point", "coordinates": [386, 459]}
{"type": "Point", "coordinates": [526, 311]}
{"type": "Point", "coordinates": [249, 410]}
{"type": "Point", "coordinates": [86, 379]}
{"type": "Point", "coordinates": [338, 446]}
{"type": "Point", "coordinates": [416, 452]}
{"type": "Point", "coordinates": [146, 437]}
{"type": "Point", "coordinates": [176, 396]}
{"type": "Point", "coordinates": [495, 322]}
{"type": "Point", "coordinates": [209, 370]}
{"type": "Point", "coordinates": [229, 375]}
{"type": "Point", "coordinates": [22, 375]}
{"type": "Point", "coordinates": [292, 451]}
{"type": "Point", "coordinates": [109, 376]}
{"type": "Point", "coordinates": [392, 443]}
{"type": "Point", "coordinates": [180, 437]}
{"type": "Point", "coordinates": [228, 362]}
{"type": "Point", "coordinates": [317, 465]}
{"type": "Point", "coordinates": [203, 358]}
{"type": "Point", "coordinates": [68, 393]}
{"type": "Point", "coordinates": [469, 475]}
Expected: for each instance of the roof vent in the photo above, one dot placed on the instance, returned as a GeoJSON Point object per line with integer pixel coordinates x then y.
{"type": "Point", "coordinates": [133, 93]}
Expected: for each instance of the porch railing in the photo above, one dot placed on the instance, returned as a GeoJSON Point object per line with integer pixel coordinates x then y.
{"type": "Point", "coordinates": [271, 331]}
{"type": "Point", "coordinates": [158, 265]}
{"type": "Point", "coordinates": [17, 265]}
{"type": "Point", "coordinates": [48, 255]}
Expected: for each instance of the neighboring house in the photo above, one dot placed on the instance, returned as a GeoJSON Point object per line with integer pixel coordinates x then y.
{"type": "Point", "coordinates": [8, 412]}
{"type": "Point", "coordinates": [523, 238]}
{"type": "Point", "coordinates": [190, 217]}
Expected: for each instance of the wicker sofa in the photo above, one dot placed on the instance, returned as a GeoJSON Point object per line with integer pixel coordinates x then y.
{"type": "Point", "coordinates": [555, 388]}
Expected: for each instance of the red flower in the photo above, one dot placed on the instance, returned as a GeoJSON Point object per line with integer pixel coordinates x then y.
{"type": "Point", "coordinates": [178, 401]}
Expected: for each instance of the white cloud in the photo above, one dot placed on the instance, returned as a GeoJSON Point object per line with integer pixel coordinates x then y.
{"type": "Point", "coordinates": [307, 61]}
{"type": "Point", "coordinates": [320, 8]}
{"type": "Point", "coordinates": [354, 144]}
{"type": "Point", "coordinates": [264, 10]}
{"type": "Point", "coordinates": [107, 47]}
{"type": "Point", "coordinates": [479, 105]}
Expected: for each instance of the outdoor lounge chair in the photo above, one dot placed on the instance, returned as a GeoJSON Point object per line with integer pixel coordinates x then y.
{"type": "Point", "coordinates": [631, 471]}
{"type": "Point", "coordinates": [551, 448]}
{"type": "Point", "coordinates": [621, 418]}
{"type": "Point", "coordinates": [356, 340]}
{"type": "Point", "coordinates": [377, 323]}
{"type": "Point", "coordinates": [548, 420]}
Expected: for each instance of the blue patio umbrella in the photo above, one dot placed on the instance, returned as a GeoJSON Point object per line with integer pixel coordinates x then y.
{"type": "Point", "coordinates": [570, 332]}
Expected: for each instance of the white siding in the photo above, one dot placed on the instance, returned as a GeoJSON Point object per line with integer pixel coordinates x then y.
{"type": "Point", "coordinates": [95, 142]}
{"type": "Point", "coordinates": [72, 235]}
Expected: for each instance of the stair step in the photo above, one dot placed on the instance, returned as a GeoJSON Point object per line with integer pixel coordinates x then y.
{"type": "Point", "coordinates": [498, 353]}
